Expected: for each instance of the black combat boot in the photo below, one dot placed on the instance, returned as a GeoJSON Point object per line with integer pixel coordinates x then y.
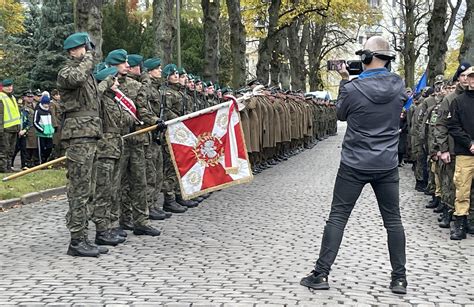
{"type": "Point", "coordinates": [79, 248]}
{"type": "Point", "coordinates": [170, 205]}
{"type": "Point", "coordinates": [156, 215]}
{"type": "Point", "coordinates": [434, 202]}
{"type": "Point", "coordinates": [146, 230]}
{"type": "Point", "coordinates": [399, 286]}
{"type": "Point", "coordinates": [446, 218]}
{"type": "Point", "coordinates": [119, 232]}
{"type": "Point", "coordinates": [420, 186]}
{"type": "Point", "coordinates": [126, 225]}
{"type": "Point", "coordinates": [439, 208]}
{"type": "Point", "coordinates": [102, 249]}
{"type": "Point", "coordinates": [199, 199]}
{"type": "Point", "coordinates": [317, 281]}
{"type": "Point", "coordinates": [107, 238]}
{"type": "Point", "coordinates": [186, 203]}
{"type": "Point", "coordinates": [459, 231]}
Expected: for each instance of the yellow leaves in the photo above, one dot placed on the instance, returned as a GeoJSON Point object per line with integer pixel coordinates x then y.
{"type": "Point", "coordinates": [11, 17]}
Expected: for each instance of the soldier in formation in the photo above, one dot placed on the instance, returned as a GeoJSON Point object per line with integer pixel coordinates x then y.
{"type": "Point", "coordinates": [433, 147]}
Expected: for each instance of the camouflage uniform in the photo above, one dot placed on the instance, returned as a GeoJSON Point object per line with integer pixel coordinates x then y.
{"type": "Point", "coordinates": [150, 97]}
{"type": "Point", "coordinates": [133, 164]}
{"type": "Point", "coordinates": [81, 130]}
{"type": "Point", "coordinates": [109, 150]}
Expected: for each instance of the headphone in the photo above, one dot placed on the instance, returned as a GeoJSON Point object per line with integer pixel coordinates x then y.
{"type": "Point", "coordinates": [366, 56]}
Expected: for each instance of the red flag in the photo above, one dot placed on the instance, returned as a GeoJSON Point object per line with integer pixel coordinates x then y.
{"type": "Point", "coordinates": [209, 151]}
{"type": "Point", "coordinates": [127, 104]}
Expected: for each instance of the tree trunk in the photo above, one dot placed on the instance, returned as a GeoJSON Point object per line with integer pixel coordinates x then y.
{"type": "Point", "coordinates": [164, 25]}
{"type": "Point", "coordinates": [211, 14]}
{"type": "Point", "coordinates": [284, 65]}
{"type": "Point", "coordinates": [267, 45]}
{"type": "Point", "coordinates": [438, 37]}
{"type": "Point", "coordinates": [318, 32]}
{"type": "Point", "coordinates": [409, 52]}
{"type": "Point", "coordinates": [237, 43]}
{"type": "Point", "coordinates": [466, 53]}
{"type": "Point", "coordinates": [297, 55]}
{"type": "Point", "coordinates": [88, 18]}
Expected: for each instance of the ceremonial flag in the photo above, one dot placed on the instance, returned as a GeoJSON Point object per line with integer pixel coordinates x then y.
{"type": "Point", "coordinates": [208, 151]}
{"type": "Point", "coordinates": [419, 87]}
{"type": "Point", "coordinates": [127, 104]}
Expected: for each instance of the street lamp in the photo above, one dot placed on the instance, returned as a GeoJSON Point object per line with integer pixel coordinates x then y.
{"type": "Point", "coordinates": [178, 30]}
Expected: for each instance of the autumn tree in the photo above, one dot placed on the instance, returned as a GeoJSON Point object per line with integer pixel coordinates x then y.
{"type": "Point", "coordinates": [466, 53]}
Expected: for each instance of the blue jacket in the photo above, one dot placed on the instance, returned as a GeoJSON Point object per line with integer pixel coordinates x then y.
{"type": "Point", "coordinates": [371, 105]}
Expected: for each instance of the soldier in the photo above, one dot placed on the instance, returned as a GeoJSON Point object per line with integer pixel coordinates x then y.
{"type": "Point", "coordinates": [10, 122]}
{"type": "Point", "coordinates": [80, 132]}
{"type": "Point", "coordinates": [173, 105]}
{"type": "Point", "coordinates": [151, 96]}
{"type": "Point", "coordinates": [110, 148]}
{"type": "Point", "coordinates": [133, 164]}
{"type": "Point", "coordinates": [461, 128]}
{"type": "Point", "coordinates": [444, 145]}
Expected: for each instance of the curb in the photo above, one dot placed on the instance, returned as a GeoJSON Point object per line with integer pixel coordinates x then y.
{"type": "Point", "coordinates": [32, 197]}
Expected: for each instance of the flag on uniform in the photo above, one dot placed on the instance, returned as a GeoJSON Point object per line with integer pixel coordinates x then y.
{"type": "Point", "coordinates": [208, 151]}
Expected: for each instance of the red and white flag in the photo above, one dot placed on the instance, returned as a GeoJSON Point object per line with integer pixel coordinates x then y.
{"type": "Point", "coordinates": [209, 152]}
{"type": "Point", "coordinates": [127, 104]}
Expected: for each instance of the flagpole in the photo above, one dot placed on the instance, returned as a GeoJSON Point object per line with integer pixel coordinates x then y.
{"type": "Point", "coordinates": [256, 91]}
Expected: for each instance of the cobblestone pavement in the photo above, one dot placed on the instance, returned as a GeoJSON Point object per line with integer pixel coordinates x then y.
{"type": "Point", "coordinates": [247, 245]}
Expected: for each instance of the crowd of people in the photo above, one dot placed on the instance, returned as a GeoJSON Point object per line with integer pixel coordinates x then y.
{"type": "Point", "coordinates": [437, 136]}
{"type": "Point", "coordinates": [116, 182]}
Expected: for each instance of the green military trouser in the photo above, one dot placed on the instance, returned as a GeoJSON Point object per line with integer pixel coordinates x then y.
{"type": "Point", "coordinates": [9, 143]}
{"type": "Point", "coordinates": [133, 182]}
{"type": "Point", "coordinates": [3, 152]}
{"type": "Point", "coordinates": [431, 186]}
{"type": "Point", "coordinates": [81, 177]}
{"type": "Point", "coordinates": [448, 190]}
{"type": "Point", "coordinates": [106, 197]}
{"type": "Point", "coordinates": [154, 173]}
{"type": "Point", "coordinates": [170, 180]}
{"type": "Point", "coordinates": [420, 159]}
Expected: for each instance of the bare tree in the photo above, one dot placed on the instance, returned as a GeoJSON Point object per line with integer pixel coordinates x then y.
{"type": "Point", "coordinates": [88, 18]}
{"type": "Point", "coordinates": [237, 43]}
{"type": "Point", "coordinates": [164, 25]}
{"type": "Point", "coordinates": [211, 14]}
{"type": "Point", "coordinates": [439, 31]}
{"type": "Point", "coordinates": [466, 53]}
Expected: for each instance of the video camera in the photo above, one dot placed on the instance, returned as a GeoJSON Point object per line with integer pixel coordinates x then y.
{"type": "Point", "coordinates": [355, 67]}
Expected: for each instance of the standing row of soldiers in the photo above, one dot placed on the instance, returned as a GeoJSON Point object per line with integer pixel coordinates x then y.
{"type": "Point", "coordinates": [115, 180]}
{"type": "Point", "coordinates": [278, 125]}
{"type": "Point", "coordinates": [433, 146]}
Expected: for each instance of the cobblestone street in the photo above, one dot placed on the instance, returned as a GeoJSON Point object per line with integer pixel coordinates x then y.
{"type": "Point", "coordinates": [244, 246]}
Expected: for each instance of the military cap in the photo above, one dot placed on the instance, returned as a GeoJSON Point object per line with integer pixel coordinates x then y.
{"type": "Point", "coordinates": [253, 82]}
{"type": "Point", "coordinates": [38, 92]}
{"type": "Point", "coordinates": [470, 71]}
{"type": "Point", "coordinates": [116, 57]}
{"type": "Point", "coordinates": [462, 68]}
{"type": "Point", "coordinates": [226, 90]}
{"type": "Point", "coordinates": [152, 63]}
{"type": "Point", "coordinates": [217, 87]}
{"type": "Point", "coordinates": [439, 79]}
{"type": "Point", "coordinates": [28, 93]}
{"type": "Point", "coordinates": [197, 79]}
{"type": "Point", "coordinates": [191, 77]}
{"type": "Point", "coordinates": [169, 70]}
{"type": "Point", "coordinates": [182, 71]}
{"type": "Point", "coordinates": [99, 67]}
{"type": "Point", "coordinates": [76, 40]}
{"type": "Point", "coordinates": [134, 60]}
{"type": "Point", "coordinates": [104, 73]}
{"type": "Point", "coordinates": [209, 83]}
{"type": "Point", "coordinates": [7, 82]}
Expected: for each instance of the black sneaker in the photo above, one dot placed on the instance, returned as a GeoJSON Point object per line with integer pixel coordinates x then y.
{"type": "Point", "coordinates": [399, 286]}
{"type": "Point", "coordinates": [317, 281]}
{"type": "Point", "coordinates": [146, 230]}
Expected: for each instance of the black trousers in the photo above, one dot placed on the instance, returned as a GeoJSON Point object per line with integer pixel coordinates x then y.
{"type": "Point", "coordinates": [20, 148]}
{"type": "Point", "coordinates": [349, 185]}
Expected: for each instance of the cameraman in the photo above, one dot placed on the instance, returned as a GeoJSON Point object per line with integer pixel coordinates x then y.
{"type": "Point", "coordinates": [371, 105]}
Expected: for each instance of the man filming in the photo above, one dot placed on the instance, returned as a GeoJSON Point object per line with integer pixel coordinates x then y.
{"type": "Point", "coordinates": [371, 104]}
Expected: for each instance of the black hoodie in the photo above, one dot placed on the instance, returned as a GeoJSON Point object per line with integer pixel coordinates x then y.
{"type": "Point", "coordinates": [461, 122]}
{"type": "Point", "coordinates": [371, 106]}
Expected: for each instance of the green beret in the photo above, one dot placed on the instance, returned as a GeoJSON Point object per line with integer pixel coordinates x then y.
{"type": "Point", "coordinates": [7, 82]}
{"type": "Point", "coordinates": [152, 63]}
{"type": "Point", "coordinates": [76, 40]}
{"type": "Point", "coordinates": [226, 90]}
{"type": "Point", "coordinates": [191, 77]}
{"type": "Point", "coordinates": [134, 60]}
{"type": "Point", "coordinates": [209, 83]}
{"type": "Point", "coordinates": [99, 67]}
{"type": "Point", "coordinates": [197, 79]}
{"type": "Point", "coordinates": [169, 70]}
{"type": "Point", "coordinates": [116, 57]}
{"type": "Point", "coordinates": [104, 73]}
{"type": "Point", "coordinates": [216, 86]}
{"type": "Point", "coordinates": [182, 71]}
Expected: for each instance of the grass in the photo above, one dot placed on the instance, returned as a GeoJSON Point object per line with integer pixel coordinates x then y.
{"type": "Point", "coordinates": [37, 181]}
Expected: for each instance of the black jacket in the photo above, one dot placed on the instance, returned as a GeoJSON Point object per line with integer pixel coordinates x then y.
{"type": "Point", "coordinates": [461, 122]}
{"type": "Point", "coordinates": [371, 106]}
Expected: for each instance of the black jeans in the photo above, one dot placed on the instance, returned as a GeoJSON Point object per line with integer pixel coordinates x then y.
{"type": "Point", "coordinates": [349, 185]}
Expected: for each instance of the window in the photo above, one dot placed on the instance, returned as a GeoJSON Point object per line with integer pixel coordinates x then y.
{"type": "Point", "coordinates": [361, 39]}
{"type": "Point", "coordinates": [394, 21]}
{"type": "Point", "coordinates": [374, 3]}
{"type": "Point", "coordinates": [394, 3]}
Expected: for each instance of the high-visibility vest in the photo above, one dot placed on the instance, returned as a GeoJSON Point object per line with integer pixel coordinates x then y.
{"type": "Point", "coordinates": [11, 113]}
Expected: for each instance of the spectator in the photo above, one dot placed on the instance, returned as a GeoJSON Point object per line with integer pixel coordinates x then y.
{"type": "Point", "coordinates": [44, 128]}
{"type": "Point", "coordinates": [24, 128]}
